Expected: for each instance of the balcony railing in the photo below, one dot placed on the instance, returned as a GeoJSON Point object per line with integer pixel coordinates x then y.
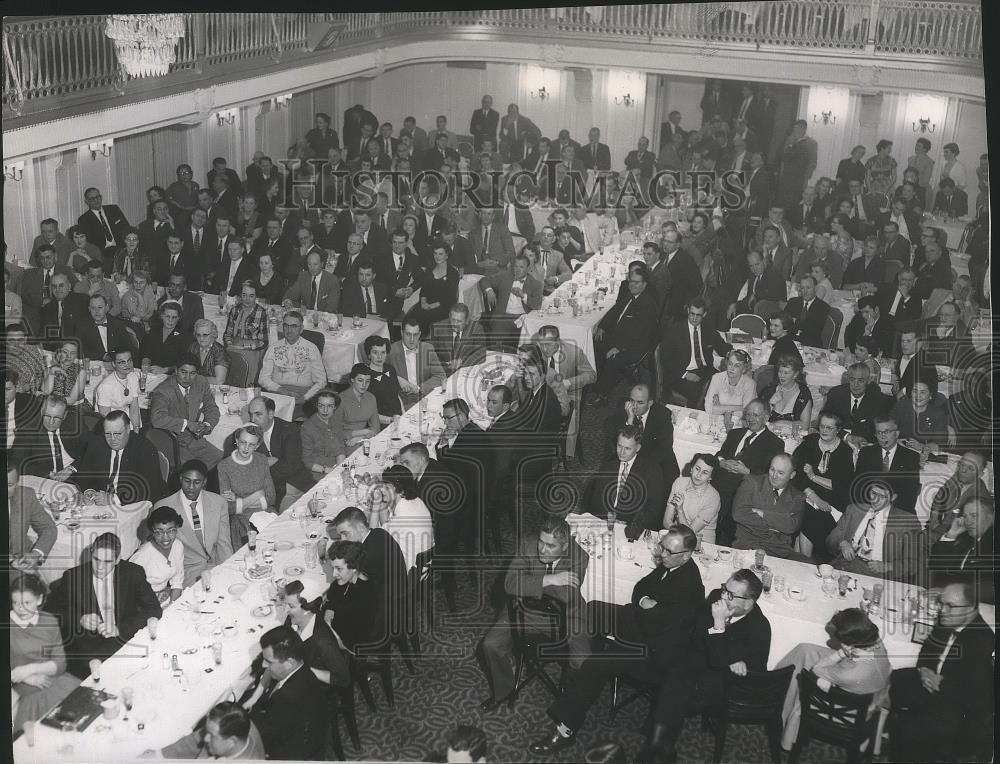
{"type": "Point", "coordinates": [70, 55]}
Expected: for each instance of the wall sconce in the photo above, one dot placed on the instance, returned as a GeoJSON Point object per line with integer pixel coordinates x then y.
{"type": "Point", "coordinates": [541, 94]}
{"type": "Point", "coordinates": [281, 102]}
{"type": "Point", "coordinates": [101, 147]}
{"type": "Point", "coordinates": [626, 100]}
{"type": "Point", "coordinates": [924, 125]}
{"type": "Point", "coordinates": [14, 171]}
{"type": "Point", "coordinates": [826, 117]}
{"type": "Point", "coordinates": [227, 117]}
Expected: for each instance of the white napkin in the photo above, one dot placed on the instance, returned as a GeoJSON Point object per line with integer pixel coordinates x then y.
{"type": "Point", "coordinates": [261, 520]}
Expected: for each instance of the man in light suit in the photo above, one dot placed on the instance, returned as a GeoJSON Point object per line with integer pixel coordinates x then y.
{"type": "Point", "coordinates": [491, 242]}
{"type": "Point", "coordinates": [205, 532]}
{"type": "Point", "coordinates": [484, 123]}
{"type": "Point", "coordinates": [104, 224]}
{"type": "Point", "coordinates": [595, 155]}
{"type": "Point", "coordinates": [508, 295]}
{"type": "Point", "coordinates": [25, 512]}
{"type": "Point", "coordinates": [315, 288]}
{"type": "Point", "coordinates": [549, 569]}
{"type": "Point", "coordinates": [459, 340]}
{"type": "Point", "coordinates": [768, 510]}
{"type": "Point", "coordinates": [566, 364]}
{"type": "Point", "coordinates": [416, 364]}
{"type": "Point", "coordinates": [557, 270]}
{"type": "Point", "coordinates": [874, 538]}
{"type": "Point", "coordinates": [184, 404]}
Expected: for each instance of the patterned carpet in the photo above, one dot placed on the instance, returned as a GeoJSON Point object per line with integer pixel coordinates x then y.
{"type": "Point", "coordinates": [448, 687]}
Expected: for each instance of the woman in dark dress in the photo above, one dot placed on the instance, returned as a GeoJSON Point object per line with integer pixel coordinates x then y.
{"type": "Point", "coordinates": [270, 284]}
{"type": "Point", "coordinates": [788, 395]}
{"type": "Point", "coordinates": [780, 325]}
{"type": "Point", "coordinates": [438, 289]}
{"type": "Point", "coordinates": [164, 343]}
{"type": "Point", "coordinates": [385, 384]}
{"type": "Point", "coordinates": [824, 468]}
{"type": "Point", "coordinates": [350, 603]}
{"type": "Point", "coordinates": [322, 137]}
{"type": "Point", "coordinates": [851, 168]}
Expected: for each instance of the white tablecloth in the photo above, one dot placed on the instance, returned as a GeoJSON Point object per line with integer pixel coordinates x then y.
{"type": "Point", "coordinates": [71, 544]}
{"type": "Point", "coordinates": [611, 579]}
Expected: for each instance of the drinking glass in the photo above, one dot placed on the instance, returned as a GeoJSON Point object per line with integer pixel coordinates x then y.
{"type": "Point", "coordinates": [778, 584]}
{"type": "Point", "coordinates": [829, 587]}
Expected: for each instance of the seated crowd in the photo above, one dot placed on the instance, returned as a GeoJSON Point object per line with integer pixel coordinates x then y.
{"type": "Point", "coordinates": [131, 299]}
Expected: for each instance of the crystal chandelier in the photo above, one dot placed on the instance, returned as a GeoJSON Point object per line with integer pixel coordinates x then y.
{"type": "Point", "coordinates": [145, 42]}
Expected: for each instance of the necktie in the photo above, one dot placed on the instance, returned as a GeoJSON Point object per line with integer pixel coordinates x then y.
{"type": "Point", "coordinates": [222, 248]}
{"type": "Point", "coordinates": [854, 406]}
{"type": "Point", "coordinates": [197, 238]}
{"type": "Point", "coordinates": [886, 462]}
{"type": "Point", "coordinates": [454, 345]}
{"type": "Point", "coordinates": [753, 291]}
{"type": "Point", "coordinates": [46, 283]}
{"type": "Point", "coordinates": [369, 308]}
{"type": "Point", "coordinates": [399, 263]}
{"type": "Point", "coordinates": [108, 236]}
{"type": "Point", "coordinates": [777, 495]}
{"type": "Point", "coordinates": [56, 447]}
{"type": "Point", "coordinates": [156, 225]}
{"type": "Point", "coordinates": [115, 466]}
{"type": "Point", "coordinates": [699, 356]}
{"type": "Point", "coordinates": [173, 261]}
{"type": "Point", "coordinates": [622, 475]}
{"type": "Point", "coordinates": [313, 294]}
{"type": "Point", "coordinates": [750, 437]}
{"type": "Point", "coordinates": [867, 541]}
{"type": "Point", "coordinates": [552, 362]}
{"type": "Point", "coordinates": [59, 310]}
{"type": "Point", "coordinates": [637, 423]}
{"type": "Point", "coordinates": [195, 519]}
{"type": "Point", "coordinates": [486, 239]}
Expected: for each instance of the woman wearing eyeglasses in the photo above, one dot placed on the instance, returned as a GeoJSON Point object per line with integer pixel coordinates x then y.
{"type": "Point", "coordinates": [162, 556]}
{"type": "Point", "coordinates": [856, 662]}
{"type": "Point", "coordinates": [731, 390]}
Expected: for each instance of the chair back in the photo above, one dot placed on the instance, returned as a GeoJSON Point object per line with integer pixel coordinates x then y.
{"type": "Point", "coordinates": [758, 696]}
{"type": "Point", "coordinates": [892, 269]}
{"type": "Point", "coordinates": [164, 467]}
{"type": "Point", "coordinates": [831, 329]}
{"type": "Point", "coordinates": [751, 324]}
{"type": "Point", "coordinates": [833, 716]}
{"type": "Point", "coordinates": [165, 442]}
{"type": "Point", "coordinates": [766, 308]}
{"type": "Point", "coordinates": [239, 371]}
{"type": "Point", "coordinates": [534, 622]}
{"type": "Point", "coordinates": [316, 338]}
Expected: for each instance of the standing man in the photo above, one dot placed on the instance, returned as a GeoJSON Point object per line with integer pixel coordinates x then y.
{"type": "Point", "coordinates": [595, 155]}
{"type": "Point", "coordinates": [484, 123]}
{"type": "Point", "coordinates": [798, 162]}
{"type": "Point", "coordinates": [105, 225]}
{"type": "Point", "coordinates": [513, 129]}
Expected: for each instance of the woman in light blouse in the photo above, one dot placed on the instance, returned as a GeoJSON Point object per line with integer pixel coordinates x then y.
{"type": "Point", "coordinates": [162, 556]}
{"type": "Point", "coordinates": [139, 303]}
{"type": "Point", "coordinates": [396, 508]}
{"type": "Point", "coordinates": [694, 502]}
{"type": "Point", "coordinates": [209, 351]}
{"type": "Point", "coordinates": [731, 390]}
{"type": "Point", "coordinates": [824, 287]}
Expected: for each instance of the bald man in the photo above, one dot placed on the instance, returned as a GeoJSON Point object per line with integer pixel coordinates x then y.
{"type": "Point", "coordinates": [768, 510]}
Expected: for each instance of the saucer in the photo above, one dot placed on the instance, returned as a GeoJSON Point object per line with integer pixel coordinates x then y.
{"type": "Point", "coordinates": [283, 546]}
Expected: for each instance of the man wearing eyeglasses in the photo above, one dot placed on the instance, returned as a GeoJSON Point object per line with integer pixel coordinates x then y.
{"type": "Point", "coordinates": [120, 464]}
{"type": "Point", "coordinates": [943, 709]}
{"type": "Point", "coordinates": [768, 510]}
{"type": "Point", "coordinates": [734, 638]}
{"type": "Point", "coordinates": [899, 463]}
{"type": "Point", "coordinates": [649, 635]}
{"type": "Point", "coordinates": [101, 604]}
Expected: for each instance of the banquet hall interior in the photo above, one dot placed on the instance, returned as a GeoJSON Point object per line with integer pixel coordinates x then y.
{"type": "Point", "coordinates": [605, 383]}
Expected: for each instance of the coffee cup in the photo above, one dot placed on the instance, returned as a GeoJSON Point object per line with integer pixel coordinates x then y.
{"type": "Point", "coordinates": [109, 708]}
{"type": "Point", "coordinates": [796, 593]}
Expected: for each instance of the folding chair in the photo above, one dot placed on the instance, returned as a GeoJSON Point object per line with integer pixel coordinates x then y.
{"type": "Point", "coordinates": [833, 716]}
{"type": "Point", "coordinates": [755, 699]}
{"type": "Point", "coordinates": [750, 323]}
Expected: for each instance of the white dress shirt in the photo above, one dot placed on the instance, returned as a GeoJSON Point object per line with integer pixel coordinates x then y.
{"type": "Point", "coordinates": [11, 424]}
{"type": "Point", "coordinates": [880, 519]}
{"type": "Point", "coordinates": [411, 365]}
{"type": "Point", "coordinates": [515, 304]}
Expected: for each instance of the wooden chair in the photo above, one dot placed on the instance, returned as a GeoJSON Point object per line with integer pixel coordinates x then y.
{"type": "Point", "coordinates": [756, 698]}
{"type": "Point", "coordinates": [833, 716]}
{"type": "Point", "coordinates": [831, 329]}
{"type": "Point", "coordinates": [750, 323]}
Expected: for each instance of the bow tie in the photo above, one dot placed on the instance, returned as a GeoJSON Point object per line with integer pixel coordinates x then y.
{"type": "Point", "coordinates": [105, 323]}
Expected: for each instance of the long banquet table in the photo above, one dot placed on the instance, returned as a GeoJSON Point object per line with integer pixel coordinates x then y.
{"type": "Point", "coordinates": [616, 565]}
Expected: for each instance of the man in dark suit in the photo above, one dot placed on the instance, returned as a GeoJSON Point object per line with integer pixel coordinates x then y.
{"type": "Point", "coordinates": [538, 420]}
{"type": "Point", "coordinates": [747, 450]}
{"type": "Point", "coordinates": [653, 421]}
{"type": "Point", "coordinates": [235, 270]}
{"type": "Point", "coordinates": [192, 307]}
{"type": "Point", "coordinates": [899, 465]}
{"type": "Point", "coordinates": [122, 462]}
{"type": "Point", "coordinates": [176, 258]}
{"type": "Point", "coordinates": [226, 198]}
{"type": "Point", "coordinates": [934, 273]}
{"type": "Point", "coordinates": [282, 445]}
{"type": "Point", "coordinates": [197, 238]}
{"type": "Point", "coordinates": [484, 123]}
{"type": "Point", "coordinates": [896, 247]}
{"type": "Point", "coordinates": [55, 444]}
{"type": "Point", "coordinates": [967, 549]}
{"type": "Point", "coordinates": [943, 709]}
{"type": "Point", "coordinates": [102, 334]}
{"type": "Point", "coordinates": [354, 119]}
{"type": "Point", "coordinates": [685, 278]}
{"type": "Point", "coordinates": [912, 365]}
{"type": "Point", "coordinates": [66, 313]}
{"type": "Point", "coordinates": [865, 211]}
{"type": "Point", "coordinates": [384, 565]}
{"type": "Point", "coordinates": [153, 233]}
{"type": "Point", "coordinates": [763, 283]}
{"type": "Point", "coordinates": [808, 313]}
{"type": "Point", "coordinates": [27, 552]}
{"type": "Point", "coordinates": [507, 295]}
{"type": "Point", "coordinates": [950, 202]}
{"type": "Point", "coordinates": [768, 510]}
{"type": "Point", "coordinates": [219, 169]}
{"type": "Point", "coordinates": [548, 571]}
{"type": "Point", "coordinates": [429, 226]}
{"type": "Point", "coordinates": [35, 287]}
{"type": "Point", "coordinates": [858, 402]}
{"type": "Point", "coordinates": [807, 216]}
{"type": "Point", "coordinates": [687, 352]}
{"type": "Point", "coordinates": [292, 714]}
{"type": "Point", "coordinates": [630, 487]}
{"type": "Point", "coordinates": [434, 158]}
{"type": "Point", "coordinates": [104, 224]}
{"type": "Point", "coordinates": [595, 155]}
{"type": "Point", "coordinates": [897, 300]}
{"type": "Point", "coordinates": [397, 269]}
{"type": "Point", "coordinates": [623, 336]}
{"type": "Point", "coordinates": [641, 161]}
{"type": "Point", "coordinates": [514, 127]}
{"type": "Point", "coordinates": [459, 340]}
{"type": "Point", "coordinates": [101, 604]}
{"type": "Point", "coordinates": [732, 638]}
{"type": "Point", "coordinates": [869, 322]}
{"type": "Point", "coordinates": [650, 633]}
{"type": "Point", "coordinates": [798, 161]}
{"type": "Point", "coordinates": [362, 295]}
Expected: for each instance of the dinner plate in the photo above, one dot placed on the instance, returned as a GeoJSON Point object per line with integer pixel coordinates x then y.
{"type": "Point", "coordinates": [283, 546]}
